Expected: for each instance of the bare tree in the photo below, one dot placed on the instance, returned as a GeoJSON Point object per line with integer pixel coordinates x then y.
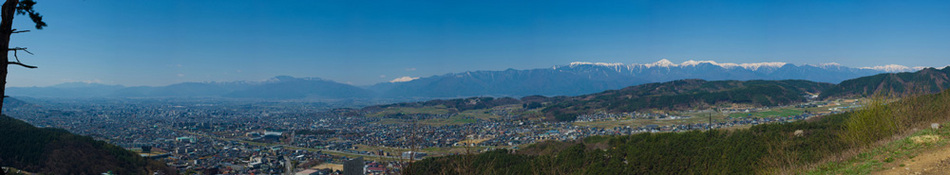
{"type": "Point", "coordinates": [10, 9]}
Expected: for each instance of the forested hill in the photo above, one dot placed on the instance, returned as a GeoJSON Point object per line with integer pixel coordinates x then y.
{"type": "Point", "coordinates": [929, 80]}
{"type": "Point", "coordinates": [458, 104]}
{"type": "Point", "coordinates": [680, 94]}
{"type": "Point", "coordinates": [56, 151]}
{"type": "Point", "coordinates": [686, 94]}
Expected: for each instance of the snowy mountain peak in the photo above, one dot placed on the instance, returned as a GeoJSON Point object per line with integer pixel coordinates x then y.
{"type": "Point", "coordinates": [661, 63]}
{"type": "Point", "coordinates": [279, 78]}
{"type": "Point", "coordinates": [578, 63]}
{"type": "Point", "coordinates": [756, 66]}
{"type": "Point", "coordinates": [406, 79]}
{"type": "Point", "coordinates": [894, 68]}
{"type": "Point", "coordinates": [826, 65]}
{"type": "Point", "coordinates": [694, 63]}
{"type": "Point", "coordinates": [830, 64]}
{"type": "Point", "coordinates": [665, 63]}
{"type": "Point", "coordinates": [750, 66]}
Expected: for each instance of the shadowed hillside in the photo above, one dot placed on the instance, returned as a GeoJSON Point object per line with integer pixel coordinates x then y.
{"type": "Point", "coordinates": [56, 151]}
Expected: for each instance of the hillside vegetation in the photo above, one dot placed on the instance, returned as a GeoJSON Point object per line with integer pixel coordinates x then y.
{"type": "Point", "coordinates": [454, 105]}
{"type": "Point", "coordinates": [761, 149]}
{"type": "Point", "coordinates": [685, 94]}
{"type": "Point", "coordinates": [56, 151]}
{"type": "Point", "coordinates": [929, 80]}
{"type": "Point", "coordinates": [674, 95]}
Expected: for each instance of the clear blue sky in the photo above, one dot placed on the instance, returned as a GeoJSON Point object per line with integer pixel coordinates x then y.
{"type": "Point", "coordinates": [139, 42]}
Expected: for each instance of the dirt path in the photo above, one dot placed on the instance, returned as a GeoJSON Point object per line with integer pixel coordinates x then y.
{"type": "Point", "coordinates": [936, 161]}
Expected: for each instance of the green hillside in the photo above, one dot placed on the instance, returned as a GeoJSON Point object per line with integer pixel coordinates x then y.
{"type": "Point", "coordinates": [56, 151]}
{"type": "Point", "coordinates": [452, 105]}
{"type": "Point", "coordinates": [929, 80]}
{"type": "Point", "coordinates": [685, 94]}
{"type": "Point", "coordinates": [674, 95]}
{"type": "Point", "coordinates": [761, 149]}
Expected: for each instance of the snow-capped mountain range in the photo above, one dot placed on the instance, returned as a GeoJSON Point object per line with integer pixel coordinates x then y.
{"type": "Point", "coordinates": [573, 79]}
{"type": "Point", "coordinates": [750, 66]}
{"type": "Point", "coordinates": [588, 77]}
{"type": "Point", "coordinates": [895, 68]}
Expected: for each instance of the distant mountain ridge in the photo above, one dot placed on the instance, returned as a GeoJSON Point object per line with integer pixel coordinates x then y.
{"type": "Point", "coordinates": [280, 87]}
{"type": "Point", "coordinates": [573, 79]}
{"type": "Point", "coordinates": [926, 81]}
{"type": "Point", "coordinates": [286, 87]}
{"type": "Point", "coordinates": [585, 77]}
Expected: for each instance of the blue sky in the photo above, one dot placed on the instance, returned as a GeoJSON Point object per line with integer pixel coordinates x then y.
{"type": "Point", "coordinates": [138, 42]}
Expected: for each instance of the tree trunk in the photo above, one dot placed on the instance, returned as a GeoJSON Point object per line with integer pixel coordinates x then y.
{"type": "Point", "coordinates": [6, 28]}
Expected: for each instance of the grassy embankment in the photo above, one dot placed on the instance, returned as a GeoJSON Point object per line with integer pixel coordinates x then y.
{"type": "Point", "coordinates": [890, 155]}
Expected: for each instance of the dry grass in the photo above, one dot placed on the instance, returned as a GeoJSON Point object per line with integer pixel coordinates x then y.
{"type": "Point", "coordinates": [331, 166]}
{"type": "Point", "coordinates": [884, 121]}
{"type": "Point", "coordinates": [925, 139]}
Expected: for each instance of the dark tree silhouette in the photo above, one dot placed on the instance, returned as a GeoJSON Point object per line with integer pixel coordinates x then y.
{"type": "Point", "coordinates": [10, 9]}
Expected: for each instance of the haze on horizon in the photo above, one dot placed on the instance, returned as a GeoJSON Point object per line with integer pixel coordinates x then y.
{"type": "Point", "coordinates": [365, 42]}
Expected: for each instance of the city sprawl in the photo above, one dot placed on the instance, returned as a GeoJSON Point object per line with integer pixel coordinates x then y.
{"type": "Point", "coordinates": [234, 136]}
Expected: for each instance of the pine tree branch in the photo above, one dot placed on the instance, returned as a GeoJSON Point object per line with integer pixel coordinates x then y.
{"type": "Point", "coordinates": [21, 64]}
{"type": "Point", "coordinates": [17, 62]}
{"type": "Point", "coordinates": [19, 31]}
{"type": "Point", "coordinates": [20, 48]}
